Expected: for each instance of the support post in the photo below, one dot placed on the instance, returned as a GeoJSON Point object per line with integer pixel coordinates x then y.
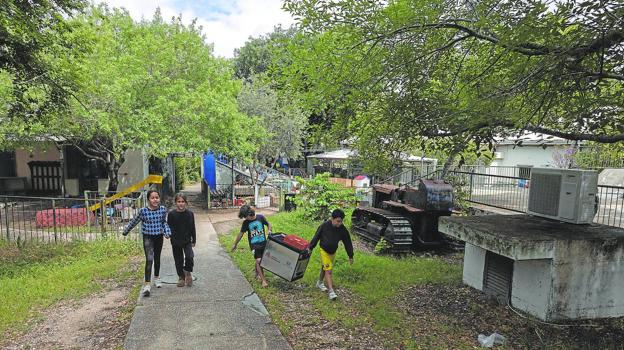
{"type": "Point", "coordinates": [6, 219]}
{"type": "Point", "coordinates": [208, 199]}
{"type": "Point", "coordinates": [233, 181]}
{"type": "Point", "coordinates": [103, 216]}
{"type": "Point", "coordinates": [54, 219]}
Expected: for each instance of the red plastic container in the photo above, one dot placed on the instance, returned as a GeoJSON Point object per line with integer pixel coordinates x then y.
{"type": "Point", "coordinates": [64, 217]}
{"type": "Point", "coordinates": [296, 242]}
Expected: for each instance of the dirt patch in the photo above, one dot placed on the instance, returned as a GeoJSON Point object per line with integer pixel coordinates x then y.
{"type": "Point", "coordinates": [224, 227]}
{"type": "Point", "coordinates": [98, 321]}
{"type": "Point", "coordinates": [465, 312]}
{"type": "Point", "coordinates": [308, 329]}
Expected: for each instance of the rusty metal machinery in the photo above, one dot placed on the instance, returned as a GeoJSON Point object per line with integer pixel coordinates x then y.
{"type": "Point", "coordinates": [405, 217]}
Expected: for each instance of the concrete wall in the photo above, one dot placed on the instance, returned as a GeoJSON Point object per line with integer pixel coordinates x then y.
{"type": "Point", "coordinates": [71, 187]}
{"type": "Point", "coordinates": [47, 152]}
{"type": "Point", "coordinates": [474, 266]}
{"type": "Point", "coordinates": [589, 278]}
{"type": "Point", "coordinates": [531, 288]}
{"type": "Point", "coordinates": [526, 155]}
{"type": "Point", "coordinates": [611, 177]}
{"type": "Point", "coordinates": [561, 271]}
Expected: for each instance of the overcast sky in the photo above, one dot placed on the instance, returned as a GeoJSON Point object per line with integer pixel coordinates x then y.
{"type": "Point", "coordinates": [227, 23]}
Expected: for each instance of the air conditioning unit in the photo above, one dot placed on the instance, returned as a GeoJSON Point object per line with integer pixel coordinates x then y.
{"type": "Point", "coordinates": [498, 155]}
{"type": "Point", "coordinates": [568, 195]}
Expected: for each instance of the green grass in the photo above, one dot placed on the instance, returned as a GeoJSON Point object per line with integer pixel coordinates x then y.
{"type": "Point", "coordinates": [375, 280]}
{"type": "Point", "coordinates": [35, 276]}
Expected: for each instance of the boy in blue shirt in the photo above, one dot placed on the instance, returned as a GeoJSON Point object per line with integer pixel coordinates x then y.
{"type": "Point", "coordinates": [254, 226]}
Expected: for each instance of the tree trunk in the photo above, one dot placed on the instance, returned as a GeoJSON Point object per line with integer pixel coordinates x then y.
{"type": "Point", "coordinates": [112, 169]}
{"type": "Point", "coordinates": [451, 159]}
{"type": "Point", "coordinates": [253, 174]}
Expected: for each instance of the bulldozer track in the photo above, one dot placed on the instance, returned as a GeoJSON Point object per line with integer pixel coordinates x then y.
{"type": "Point", "coordinates": [397, 228]}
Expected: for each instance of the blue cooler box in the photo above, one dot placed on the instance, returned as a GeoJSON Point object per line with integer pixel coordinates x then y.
{"type": "Point", "coordinates": [284, 260]}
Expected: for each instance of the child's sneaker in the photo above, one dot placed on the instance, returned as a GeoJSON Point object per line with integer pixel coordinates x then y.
{"type": "Point", "coordinates": [146, 290]}
{"type": "Point", "coordinates": [157, 282]}
{"type": "Point", "coordinates": [320, 285]}
{"type": "Point", "coordinates": [332, 295]}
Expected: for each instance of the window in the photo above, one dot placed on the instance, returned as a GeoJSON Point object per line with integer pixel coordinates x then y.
{"type": "Point", "coordinates": [524, 171]}
{"type": "Point", "coordinates": [7, 164]}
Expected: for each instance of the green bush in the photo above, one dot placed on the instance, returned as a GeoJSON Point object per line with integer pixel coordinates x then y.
{"type": "Point", "coordinates": [461, 191]}
{"type": "Point", "coordinates": [187, 171]}
{"type": "Point", "coordinates": [319, 197]}
{"type": "Point", "coordinates": [382, 246]}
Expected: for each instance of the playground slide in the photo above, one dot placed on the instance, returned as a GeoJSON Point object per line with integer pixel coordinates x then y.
{"type": "Point", "coordinates": [150, 179]}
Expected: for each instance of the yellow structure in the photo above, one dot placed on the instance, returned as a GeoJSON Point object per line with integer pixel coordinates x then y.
{"type": "Point", "coordinates": [150, 179]}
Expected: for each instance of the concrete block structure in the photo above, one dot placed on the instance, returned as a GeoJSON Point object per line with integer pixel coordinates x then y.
{"type": "Point", "coordinates": [552, 270]}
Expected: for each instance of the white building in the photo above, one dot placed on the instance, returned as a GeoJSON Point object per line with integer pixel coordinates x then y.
{"type": "Point", "coordinates": [535, 150]}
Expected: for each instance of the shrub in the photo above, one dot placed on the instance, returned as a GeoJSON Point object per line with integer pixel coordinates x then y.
{"type": "Point", "coordinates": [187, 171]}
{"type": "Point", "coordinates": [461, 191]}
{"type": "Point", "coordinates": [319, 197]}
{"type": "Point", "coordinates": [382, 246]}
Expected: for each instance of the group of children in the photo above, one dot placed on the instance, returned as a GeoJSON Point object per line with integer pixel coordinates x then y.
{"type": "Point", "coordinates": [328, 235]}
{"type": "Point", "coordinates": [178, 225]}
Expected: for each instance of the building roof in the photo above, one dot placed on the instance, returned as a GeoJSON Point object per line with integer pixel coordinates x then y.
{"type": "Point", "coordinates": [534, 139]}
{"type": "Point", "coordinates": [340, 154]}
{"type": "Point", "coordinates": [346, 153]}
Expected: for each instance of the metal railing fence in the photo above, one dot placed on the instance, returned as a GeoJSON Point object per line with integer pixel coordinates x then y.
{"type": "Point", "coordinates": [611, 206]}
{"type": "Point", "coordinates": [49, 220]}
{"type": "Point", "coordinates": [512, 193]}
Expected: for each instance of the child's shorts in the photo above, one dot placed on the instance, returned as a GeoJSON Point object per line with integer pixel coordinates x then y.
{"type": "Point", "coordinates": [327, 260]}
{"type": "Point", "coordinates": [258, 253]}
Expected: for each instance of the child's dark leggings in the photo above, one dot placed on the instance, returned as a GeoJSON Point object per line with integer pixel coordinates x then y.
{"type": "Point", "coordinates": [183, 257]}
{"type": "Point", "coordinates": [152, 246]}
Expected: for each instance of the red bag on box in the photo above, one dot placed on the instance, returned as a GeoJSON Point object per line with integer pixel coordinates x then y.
{"type": "Point", "coordinates": [296, 242]}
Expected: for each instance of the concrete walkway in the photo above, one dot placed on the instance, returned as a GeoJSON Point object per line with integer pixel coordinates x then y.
{"type": "Point", "coordinates": [220, 311]}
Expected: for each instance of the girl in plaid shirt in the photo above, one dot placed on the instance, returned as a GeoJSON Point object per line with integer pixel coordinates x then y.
{"type": "Point", "coordinates": [153, 226]}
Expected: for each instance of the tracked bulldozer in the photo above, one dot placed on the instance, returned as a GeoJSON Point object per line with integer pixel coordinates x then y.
{"type": "Point", "coordinates": [405, 217]}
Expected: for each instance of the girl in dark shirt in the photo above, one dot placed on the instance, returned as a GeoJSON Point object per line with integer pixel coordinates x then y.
{"type": "Point", "coordinates": [183, 239]}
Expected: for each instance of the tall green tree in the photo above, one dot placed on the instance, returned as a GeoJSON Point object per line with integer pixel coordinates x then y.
{"type": "Point", "coordinates": [33, 84]}
{"type": "Point", "coordinates": [464, 71]}
{"type": "Point", "coordinates": [282, 117]}
{"type": "Point", "coordinates": [263, 54]}
{"type": "Point", "coordinates": [155, 85]}
{"type": "Point", "coordinates": [259, 63]}
{"type": "Point", "coordinates": [152, 85]}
